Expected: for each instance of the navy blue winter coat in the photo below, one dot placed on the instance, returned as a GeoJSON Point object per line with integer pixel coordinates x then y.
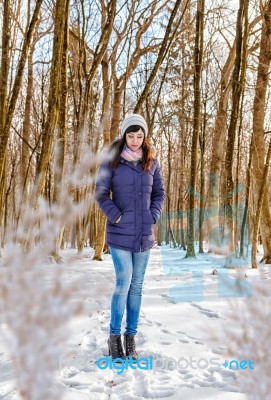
{"type": "Point", "coordinates": [138, 196]}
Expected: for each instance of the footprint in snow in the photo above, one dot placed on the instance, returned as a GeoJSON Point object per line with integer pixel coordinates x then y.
{"type": "Point", "coordinates": [205, 311]}
{"type": "Point", "coordinates": [168, 298]}
{"type": "Point", "coordinates": [218, 350]}
{"type": "Point", "coordinates": [183, 341]}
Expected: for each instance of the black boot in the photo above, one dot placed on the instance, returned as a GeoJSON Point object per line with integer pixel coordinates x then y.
{"type": "Point", "coordinates": [115, 347]}
{"type": "Point", "coordinates": [129, 345]}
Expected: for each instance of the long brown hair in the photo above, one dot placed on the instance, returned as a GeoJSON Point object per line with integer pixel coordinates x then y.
{"type": "Point", "coordinates": [117, 146]}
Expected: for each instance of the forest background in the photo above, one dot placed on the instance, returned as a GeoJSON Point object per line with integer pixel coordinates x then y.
{"type": "Point", "coordinates": [198, 71]}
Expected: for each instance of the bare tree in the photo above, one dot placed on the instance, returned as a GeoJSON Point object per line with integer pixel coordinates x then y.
{"type": "Point", "coordinates": [238, 77]}
{"type": "Point", "coordinates": [258, 140]}
{"type": "Point", "coordinates": [198, 54]}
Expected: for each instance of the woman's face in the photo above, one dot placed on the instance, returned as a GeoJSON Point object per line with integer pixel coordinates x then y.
{"type": "Point", "coordinates": [134, 140]}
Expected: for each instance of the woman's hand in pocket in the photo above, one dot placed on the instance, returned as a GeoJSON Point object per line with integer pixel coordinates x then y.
{"type": "Point", "coordinates": [118, 220]}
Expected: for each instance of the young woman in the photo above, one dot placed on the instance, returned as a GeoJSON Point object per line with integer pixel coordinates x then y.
{"type": "Point", "coordinates": [134, 179]}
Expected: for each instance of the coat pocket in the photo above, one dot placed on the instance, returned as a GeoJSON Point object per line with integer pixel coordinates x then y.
{"type": "Point", "coordinates": [123, 217]}
{"type": "Point", "coordinates": [150, 219]}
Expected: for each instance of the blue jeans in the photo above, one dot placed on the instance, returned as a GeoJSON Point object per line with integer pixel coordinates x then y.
{"type": "Point", "coordinates": [130, 270]}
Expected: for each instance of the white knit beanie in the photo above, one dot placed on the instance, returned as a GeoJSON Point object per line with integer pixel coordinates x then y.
{"type": "Point", "coordinates": [134, 119]}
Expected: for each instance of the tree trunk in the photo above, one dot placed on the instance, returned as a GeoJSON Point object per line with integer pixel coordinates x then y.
{"type": "Point", "coordinates": [100, 238]}
{"type": "Point", "coordinates": [101, 232]}
{"type": "Point", "coordinates": [202, 180]}
{"type": "Point", "coordinates": [217, 155]}
{"type": "Point", "coordinates": [3, 102]}
{"type": "Point", "coordinates": [245, 215]}
{"type": "Point", "coordinates": [27, 127]}
{"type": "Point", "coordinates": [262, 194]}
{"type": "Point", "coordinates": [169, 198]}
{"type": "Point", "coordinates": [198, 54]}
{"type": "Point", "coordinates": [258, 142]}
{"type": "Point", "coordinates": [54, 97]}
{"type": "Point", "coordinates": [237, 84]}
{"type": "Point", "coordinates": [4, 63]}
{"type": "Point", "coordinates": [62, 128]}
{"type": "Point", "coordinates": [116, 110]}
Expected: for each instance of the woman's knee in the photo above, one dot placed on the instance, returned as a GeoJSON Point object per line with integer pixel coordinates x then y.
{"type": "Point", "coordinates": [121, 290]}
{"type": "Point", "coordinates": [122, 286]}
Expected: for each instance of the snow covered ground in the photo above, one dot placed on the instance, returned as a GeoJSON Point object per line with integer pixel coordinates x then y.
{"type": "Point", "coordinates": [183, 304]}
